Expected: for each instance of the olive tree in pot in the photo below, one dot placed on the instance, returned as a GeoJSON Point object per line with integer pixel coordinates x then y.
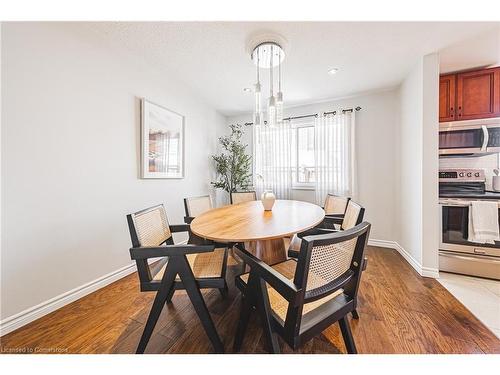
{"type": "Point", "coordinates": [233, 165]}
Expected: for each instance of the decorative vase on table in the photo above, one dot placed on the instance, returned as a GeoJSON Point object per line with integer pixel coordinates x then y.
{"type": "Point", "coordinates": [268, 199]}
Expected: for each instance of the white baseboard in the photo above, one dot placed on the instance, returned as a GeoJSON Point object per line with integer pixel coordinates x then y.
{"type": "Point", "coordinates": [422, 271]}
{"type": "Point", "coordinates": [18, 320]}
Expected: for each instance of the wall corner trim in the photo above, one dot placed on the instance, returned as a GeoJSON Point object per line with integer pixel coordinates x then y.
{"type": "Point", "coordinates": [422, 271]}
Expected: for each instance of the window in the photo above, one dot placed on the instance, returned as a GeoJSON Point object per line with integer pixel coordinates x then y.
{"type": "Point", "coordinates": [313, 153]}
{"type": "Point", "coordinates": [303, 169]}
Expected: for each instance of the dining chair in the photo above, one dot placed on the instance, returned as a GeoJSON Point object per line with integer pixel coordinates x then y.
{"type": "Point", "coordinates": [353, 216]}
{"type": "Point", "coordinates": [335, 204]}
{"type": "Point", "coordinates": [194, 206]}
{"type": "Point", "coordinates": [243, 196]}
{"type": "Point", "coordinates": [299, 298]}
{"type": "Point", "coordinates": [180, 267]}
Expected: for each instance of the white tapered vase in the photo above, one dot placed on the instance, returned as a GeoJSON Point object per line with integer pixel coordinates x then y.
{"type": "Point", "coordinates": [268, 200]}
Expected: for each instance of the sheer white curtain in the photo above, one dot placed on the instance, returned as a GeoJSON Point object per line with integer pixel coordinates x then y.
{"type": "Point", "coordinates": [272, 159]}
{"type": "Point", "coordinates": [334, 155]}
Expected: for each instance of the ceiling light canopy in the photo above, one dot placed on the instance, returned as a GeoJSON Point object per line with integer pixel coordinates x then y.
{"type": "Point", "coordinates": [333, 71]}
{"type": "Point", "coordinates": [267, 54]}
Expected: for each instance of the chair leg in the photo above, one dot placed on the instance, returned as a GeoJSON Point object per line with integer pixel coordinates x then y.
{"type": "Point", "coordinates": [167, 284]}
{"type": "Point", "coordinates": [199, 305]}
{"type": "Point", "coordinates": [246, 310]}
{"type": "Point", "coordinates": [355, 314]}
{"type": "Point", "coordinates": [264, 309]}
{"type": "Point", "coordinates": [347, 336]}
{"type": "Point", "coordinates": [170, 294]}
{"type": "Point", "coordinates": [224, 291]}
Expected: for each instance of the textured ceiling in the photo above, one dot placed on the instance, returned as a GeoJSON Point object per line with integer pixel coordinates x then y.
{"type": "Point", "coordinates": [211, 57]}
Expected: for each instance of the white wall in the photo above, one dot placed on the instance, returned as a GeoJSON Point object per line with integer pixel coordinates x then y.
{"type": "Point", "coordinates": [376, 154]}
{"type": "Point", "coordinates": [418, 165]}
{"type": "Point", "coordinates": [70, 158]}
{"type": "Point", "coordinates": [410, 172]}
{"type": "Point", "coordinates": [430, 165]}
{"type": "Point", "coordinates": [479, 51]}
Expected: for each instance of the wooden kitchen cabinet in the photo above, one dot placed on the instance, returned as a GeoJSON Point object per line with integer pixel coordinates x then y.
{"type": "Point", "coordinates": [478, 94]}
{"type": "Point", "coordinates": [447, 97]}
{"type": "Point", "coordinates": [469, 95]}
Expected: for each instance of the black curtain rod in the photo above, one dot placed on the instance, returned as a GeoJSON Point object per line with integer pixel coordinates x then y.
{"type": "Point", "coordinates": [313, 115]}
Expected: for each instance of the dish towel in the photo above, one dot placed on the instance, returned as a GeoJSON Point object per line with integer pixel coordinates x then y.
{"type": "Point", "coordinates": [483, 222]}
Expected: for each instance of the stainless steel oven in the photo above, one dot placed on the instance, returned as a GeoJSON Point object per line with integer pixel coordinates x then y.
{"type": "Point", "coordinates": [469, 137]}
{"type": "Point", "coordinates": [456, 253]}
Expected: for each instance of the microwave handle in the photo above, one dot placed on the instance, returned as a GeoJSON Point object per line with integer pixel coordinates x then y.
{"type": "Point", "coordinates": [486, 137]}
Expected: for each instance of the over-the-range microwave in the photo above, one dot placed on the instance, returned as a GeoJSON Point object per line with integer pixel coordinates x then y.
{"type": "Point", "coordinates": [472, 137]}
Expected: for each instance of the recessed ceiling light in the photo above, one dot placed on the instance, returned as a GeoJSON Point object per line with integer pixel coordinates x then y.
{"type": "Point", "coordinates": [247, 89]}
{"type": "Point", "coordinates": [333, 71]}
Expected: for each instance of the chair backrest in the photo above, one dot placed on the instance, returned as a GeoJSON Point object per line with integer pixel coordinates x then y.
{"type": "Point", "coordinates": [335, 205]}
{"type": "Point", "coordinates": [148, 227]}
{"type": "Point", "coordinates": [243, 196]}
{"type": "Point", "coordinates": [353, 215]}
{"type": "Point", "coordinates": [195, 206]}
{"type": "Point", "coordinates": [327, 263]}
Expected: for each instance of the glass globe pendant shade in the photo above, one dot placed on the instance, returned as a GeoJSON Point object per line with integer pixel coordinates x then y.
{"type": "Point", "coordinates": [271, 112]}
{"type": "Point", "coordinates": [258, 119]}
{"type": "Point", "coordinates": [279, 107]}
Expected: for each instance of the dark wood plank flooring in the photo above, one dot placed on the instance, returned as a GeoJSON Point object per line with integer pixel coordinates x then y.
{"type": "Point", "coordinates": [400, 312]}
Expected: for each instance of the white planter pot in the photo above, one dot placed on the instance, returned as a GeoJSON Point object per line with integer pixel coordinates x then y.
{"type": "Point", "coordinates": [268, 199]}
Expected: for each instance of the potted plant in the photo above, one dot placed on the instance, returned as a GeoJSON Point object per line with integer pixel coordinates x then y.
{"type": "Point", "coordinates": [232, 165]}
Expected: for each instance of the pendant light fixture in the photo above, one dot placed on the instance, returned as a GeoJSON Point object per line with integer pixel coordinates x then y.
{"type": "Point", "coordinates": [258, 116]}
{"type": "Point", "coordinates": [271, 109]}
{"type": "Point", "coordinates": [279, 96]}
{"type": "Point", "coordinates": [268, 55]}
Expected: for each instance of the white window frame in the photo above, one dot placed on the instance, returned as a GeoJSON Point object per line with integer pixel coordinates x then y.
{"type": "Point", "coordinates": [295, 183]}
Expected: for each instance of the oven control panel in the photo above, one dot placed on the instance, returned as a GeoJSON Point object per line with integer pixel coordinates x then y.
{"type": "Point", "coordinates": [458, 175]}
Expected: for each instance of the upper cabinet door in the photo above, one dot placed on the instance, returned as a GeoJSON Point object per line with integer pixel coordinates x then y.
{"type": "Point", "coordinates": [478, 94]}
{"type": "Point", "coordinates": [447, 97]}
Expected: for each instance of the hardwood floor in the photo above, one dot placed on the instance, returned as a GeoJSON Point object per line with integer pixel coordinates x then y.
{"type": "Point", "coordinates": [400, 312]}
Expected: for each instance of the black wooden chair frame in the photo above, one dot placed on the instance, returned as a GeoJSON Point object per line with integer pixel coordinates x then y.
{"type": "Point", "coordinates": [177, 265]}
{"type": "Point", "coordinates": [298, 329]}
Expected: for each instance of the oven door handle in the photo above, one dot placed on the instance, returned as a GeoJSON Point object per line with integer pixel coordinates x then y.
{"type": "Point", "coordinates": [474, 257]}
{"type": "Point", "coordinates": [486, 137]}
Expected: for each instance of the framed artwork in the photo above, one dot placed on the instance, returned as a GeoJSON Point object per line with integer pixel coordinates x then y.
{"type": "Point", "coordinates": [162, 140]}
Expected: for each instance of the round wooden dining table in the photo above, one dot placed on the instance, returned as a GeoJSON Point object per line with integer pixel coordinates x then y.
{"type": "Point", "coordinates": [262, 232]}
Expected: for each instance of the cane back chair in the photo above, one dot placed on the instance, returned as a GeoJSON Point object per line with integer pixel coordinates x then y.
{"type": "Point", "coordinates": [335, 204]}
{"type": "Point", "coordinates": [181, 267]}
{"type": "Point", "coordinates": [298, 299]}
{"type": "Point", "coordinates": [353, 215]}
{"type": "Point", "coordinates": [243, 196]}
{"type": "Point", "coordinates": [195, 206]}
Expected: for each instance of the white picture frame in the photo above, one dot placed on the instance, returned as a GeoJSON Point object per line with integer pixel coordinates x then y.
{"type": "Point", "coordinates": [162, 142]}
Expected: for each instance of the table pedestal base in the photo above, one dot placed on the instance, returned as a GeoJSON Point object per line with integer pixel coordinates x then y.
{"type": "Point", "coordinates": [269, 251]}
